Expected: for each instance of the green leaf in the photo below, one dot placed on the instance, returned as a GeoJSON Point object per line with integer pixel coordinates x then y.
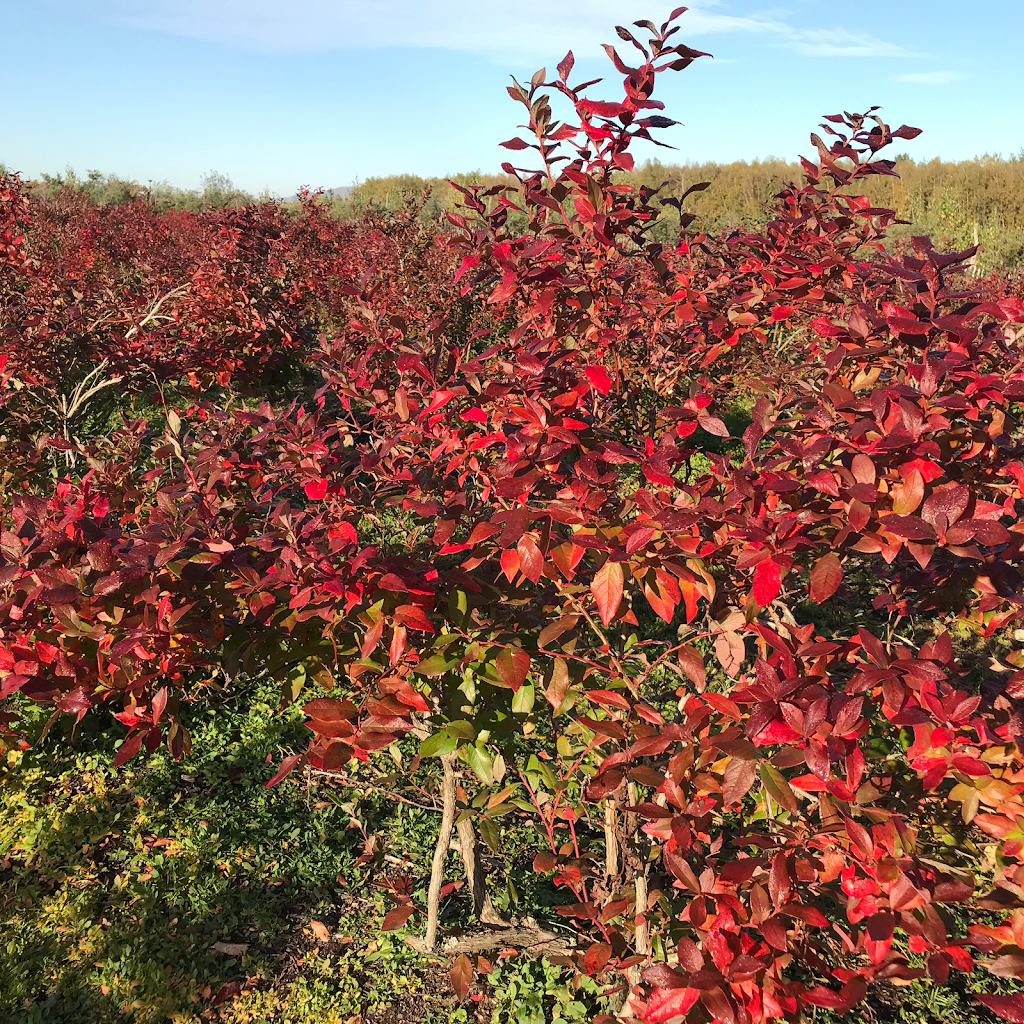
{"type": "Point", "coordinates": [522, 699]}
{"type": "Point", "coordinates": [499, 810]}
{"type": "Point", "coordinates": [468, 686]}
{"type": "Point", "coordinates": [435, 665]}
{"type": "Point", "coordinates": [480, 761]}
{"type": "Point", "coordinates": [545, 772]}
{"type": "Point", "coordinates": [438, 744]}
{"type": "Point", "coordinates": [490, 833]}
{"type": "Point", "coordinates": [443, 640]}
{"type": "Point", "coordinates": [292, 684]}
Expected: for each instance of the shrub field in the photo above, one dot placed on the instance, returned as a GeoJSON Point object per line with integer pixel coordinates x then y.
{"type": "Point", "coordinates": [554, 609]}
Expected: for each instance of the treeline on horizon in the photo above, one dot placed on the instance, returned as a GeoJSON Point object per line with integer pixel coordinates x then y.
{"type": "Point", "coordinates": [955, 202]}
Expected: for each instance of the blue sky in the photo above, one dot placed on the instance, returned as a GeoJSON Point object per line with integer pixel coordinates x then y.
{"type": "Point", "coordinates": [281, 93]}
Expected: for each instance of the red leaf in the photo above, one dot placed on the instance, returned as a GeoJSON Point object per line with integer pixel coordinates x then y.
{"type": "Point", "coordinates": [544, 861]}
{"type": "Point", "coordinates": [692, 663]}
{"type": "Point", "coordinates": [863, 469]}
{"type": "Point", "coordinates": [723, 704]}
{"type": "Point", "coordinates": [329, 709]}
{"type": "Point", "coordinates": [774, 931]}
{"type": "Point", "coordinates": [159, 703]}
{"type": "Point", "coordinates": [607, 590]}
{"type": "Point", "coordinates": [767, 582]}
{"type": "Point", "coordinates": [396, 649]}
{"type": "Point", "coordinates": [600, 108]}
{"type": "Point", "coordinates": [78, 701]}
{"type": "Point", "coordinates": [599, 379]}
{"type": "Point", "coordinates": [905, 132]}
{"type": "Point", "coordinates": [412, 615]}
{"type": "Point", "coordinates": [824, 327]}
{"type": "Point", "coordinates": [929, 470]}
{"type": "Point", "coordinates": [515, 144]}
{"type": "Point", "coordinates": [396, 917]}
{"type": "Point", "coordinates": [596, 956]}
{"type": "Point", "coordinates": [713, 425]}
{"type": "Point", "coordinates": [461, 975]}
{"type": "Point", "coordinates": [468, 263]}
{"type": "Point", "coordinates": [129, 748]}
{"type": "Point", "coordinates": [666, 1003]}
{"type": "Point", "coordinates": [608, 699]}
{"type": "Point", "coordinates": [970, 765]}
{"type": "Point", "coordinates": [1009, 1008]}
{"type": "Point", "coordinates": [512, 665]}
{"type": "Point", "coordinates": [287, 765]}
{"type": "Point", "coordinates": [860, 836]}
{"type": "Point", "coordinates": [315, 490]}
{"type": "Point", "coordinates": [531, 561]}
{"type": "Point", "coordinates": [826, 575]}
{"type": "Point", "coordinates": [262, 607]}
{"type": "Point", "coordinates": [826, 997]}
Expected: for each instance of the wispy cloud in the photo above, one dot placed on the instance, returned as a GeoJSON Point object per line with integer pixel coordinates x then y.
{"type": "Point", "coordinates": [931, 77]}
{"type": "Point", "coordinates": [837, 42]}
{"type": "Point", "coordinates": [498, 31]}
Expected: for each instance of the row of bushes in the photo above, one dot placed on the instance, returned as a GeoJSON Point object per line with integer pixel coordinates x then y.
{"type": "Point", "coordinates": [960, 203]}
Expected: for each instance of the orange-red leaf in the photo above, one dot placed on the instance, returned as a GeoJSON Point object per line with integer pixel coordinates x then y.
{"type": "Point", "coordinates": [666, 1003]}
{"type": "Point", "coordinates": [461, 975]}
{"type": "Point", "coordinates": [739, 777]}
{"type": "Point", "coordinates": [826, 575]}
{"type": "Point", "coordinates": [512, 665]}
{"type": "Point", "coordinates": [607, 590]}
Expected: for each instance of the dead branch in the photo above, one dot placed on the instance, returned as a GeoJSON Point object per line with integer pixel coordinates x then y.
{"type": "Point", "coordinates": [154, 311]}
{"type": "Point", "coordinates": [444, 835]}
{"type": "Point", "coordinates": [469, 849]}
{"type": "Point", "coordinates": [528, 937]}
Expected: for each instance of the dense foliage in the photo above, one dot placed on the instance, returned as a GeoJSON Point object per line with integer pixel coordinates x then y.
{"type": "Point", "coordinates": [478, 493]}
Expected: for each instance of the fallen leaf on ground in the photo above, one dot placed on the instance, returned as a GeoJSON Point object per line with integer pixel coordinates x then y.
{"type": "Point", "coordinates": [230, 948]}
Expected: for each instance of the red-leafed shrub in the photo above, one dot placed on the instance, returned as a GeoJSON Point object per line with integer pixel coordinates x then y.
{"type": "Point", "coordinates": [495, 501]}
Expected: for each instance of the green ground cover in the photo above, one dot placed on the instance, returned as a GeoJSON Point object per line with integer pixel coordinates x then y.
{"type": "Point", "coordinates": [185, 892]}
{"type": "Point", "coordinates": [165, 891]}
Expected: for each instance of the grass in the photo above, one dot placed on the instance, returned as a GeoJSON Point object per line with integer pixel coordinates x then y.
{"type": "Point", "coordinates": [187, 892]}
